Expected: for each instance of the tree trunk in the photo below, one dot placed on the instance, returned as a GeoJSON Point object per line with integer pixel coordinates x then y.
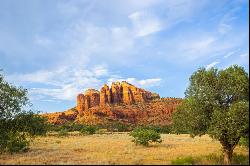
{"type": "Point", "coordinates": [228, 153]}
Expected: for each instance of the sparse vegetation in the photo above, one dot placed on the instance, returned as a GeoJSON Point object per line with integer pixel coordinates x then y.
{"type": "Point", "coordinates": [63, 133]}
{"type": "Point", "coordinates": [145, 136]}
{"type": "Point", "coordinates": [118, 149]}
{"type": "Point", "coordinates": [89, 130]}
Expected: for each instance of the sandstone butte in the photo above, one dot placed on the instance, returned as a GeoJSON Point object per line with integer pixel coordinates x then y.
{"type": "Point", "coordinates": [121, 102]}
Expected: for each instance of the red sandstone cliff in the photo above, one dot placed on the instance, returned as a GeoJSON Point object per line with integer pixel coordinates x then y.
{"type": "Point", "coordinates": [120, 102]}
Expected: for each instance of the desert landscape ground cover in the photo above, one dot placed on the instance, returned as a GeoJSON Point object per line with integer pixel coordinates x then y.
{"type": "Point", "coordinates": [117, 148]}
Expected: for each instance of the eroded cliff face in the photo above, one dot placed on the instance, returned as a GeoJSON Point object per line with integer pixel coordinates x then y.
{"type": "Point", "coordinates": [119, 102]}
{"type": "Point", "coordinates": [118, 93]}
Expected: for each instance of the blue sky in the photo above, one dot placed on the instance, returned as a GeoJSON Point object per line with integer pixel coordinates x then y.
{"type": "Point", "coordinates": [59, 48]}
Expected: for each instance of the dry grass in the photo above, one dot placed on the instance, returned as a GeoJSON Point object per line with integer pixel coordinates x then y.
{"type": "Point", "coordinates": [113, 149]}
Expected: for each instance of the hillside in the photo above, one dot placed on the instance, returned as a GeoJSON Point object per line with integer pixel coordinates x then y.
{"type": "Point", "coordinates": [121, 102]}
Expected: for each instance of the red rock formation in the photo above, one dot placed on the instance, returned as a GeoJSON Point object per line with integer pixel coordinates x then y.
{"type": "Point", "coordinates": [105, 95]}
{"type": "Point", "coordinates": [116, 92]}
{"type": "Point", "coordinates": [80, 103]}
{"type": "Point", "coordinates": [122, 101]}
{"type": "Point", "coordinates": [128, 97]}
{"type": "Point", "coordinates": [94, 97]}
{"type": "Point", "coordinates": [62, 117]}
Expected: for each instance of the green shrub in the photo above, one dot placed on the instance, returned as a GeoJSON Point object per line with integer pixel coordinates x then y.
{"type": "Point", "coordinates": [63, 133]}
{"type": "Point", "coordinates": [89, 130]}
{"type": "Point", "coordinates": [17, 142]}
{"type": "Point", "coordinates": [244, 142]}
{"type": "Point", "coordinates": [16, 133]}
{"type": "Point", "coordinates": [145, 136]}
{"type": "Point", "coordinates": [183, 161]}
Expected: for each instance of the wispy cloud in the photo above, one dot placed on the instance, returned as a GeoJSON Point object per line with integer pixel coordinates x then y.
{"type": "Point", "coordinates": [145, 23]}
{"type": "Point", "coordinates": [225, 25]}
{"type": "Point", "coordinates": [211, 65]}
{"type": "Point", "coordinates": [62, 84]}
{"type": "Point", "coordinates": [229, 54]}
{"type": "Point", "coordinates": [145, 83]}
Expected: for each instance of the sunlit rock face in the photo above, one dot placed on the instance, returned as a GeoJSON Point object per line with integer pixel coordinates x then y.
{"type": "Point", "coordinates": [118, 93]}
{"type": "Point", "coordinates": [105, 95]}
{"type": "Point", "coordinates": [121, 101]}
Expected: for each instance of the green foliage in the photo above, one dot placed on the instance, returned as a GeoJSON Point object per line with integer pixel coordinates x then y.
{"type": "Point", "coordinates": [145, 136]}
{"type": "Point", "coordinates": [244, 141]}
{"type": "Point", "coordinates": [230, 125]}
{"type": "Point", "coordinates": [17, 142]}
{"type": "Point", "coordinates": [31, 123]}
{"type": "Point", "coordinates": [217, 104]}
{"type": "Point", "coordinates": [89, 130]}
{"type": "Point", "coordinates": [12, 99]}
{"type": "Point", "coordinates": [17, 126]}
{"type": "Point", "coordinates": [63, 133]}
{"type": "Point", "coordinates": [183, 161]}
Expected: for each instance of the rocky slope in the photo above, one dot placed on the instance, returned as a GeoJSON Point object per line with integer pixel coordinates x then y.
{"type": "Point", "coordinates": [121, 102]}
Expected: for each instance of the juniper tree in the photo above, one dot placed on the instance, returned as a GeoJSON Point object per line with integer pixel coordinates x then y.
{"type": "Point", "coordinates": [217, 103]}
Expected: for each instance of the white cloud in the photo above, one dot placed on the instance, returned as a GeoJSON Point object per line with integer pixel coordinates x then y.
{"type": "Point", "coordinates": [229, 54]}
{"type": "Point", "coordinates": [62, 84]}
{"type": "Point", "coordinates": [144, 83]}
{"type": "Point", "coordinates": [211, 65]}
{"type": "Point", "coordinates": [65, 83]}
{"type": "Point", "coordinates": [100, 71]}
{"type": "Point", "coordinates": [145, 23]}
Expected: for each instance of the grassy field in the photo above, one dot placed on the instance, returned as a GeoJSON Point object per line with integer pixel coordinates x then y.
{"type": "Point", "coordinates": [117, 148]}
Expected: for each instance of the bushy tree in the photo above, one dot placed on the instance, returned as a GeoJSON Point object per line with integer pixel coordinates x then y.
{"type": "Point", "coordinates": [145, 136]}
{"type": "Point", "coordinates": [17, 125]}
{"type": "Point", "coordinates": [217, 103]}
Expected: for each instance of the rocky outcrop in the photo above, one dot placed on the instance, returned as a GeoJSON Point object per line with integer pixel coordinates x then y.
{"type": "Point", "coordinates": [121, 101]}
{"type": "Point", "coordinates": [93, 98]}
{"type": "Point", "coordinates": [118, 93]}
{"type": "Point", "coordinates": [62, 117]}
{"type": "Point", "coordinates": [105, 95]}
